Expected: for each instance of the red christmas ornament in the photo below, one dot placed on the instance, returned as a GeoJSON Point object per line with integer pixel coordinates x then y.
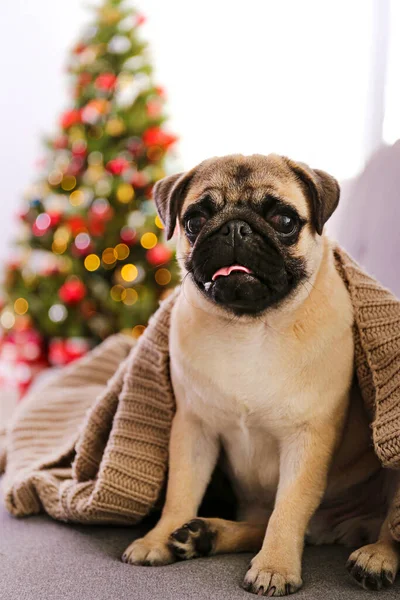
{"type": "Point", "coordinates": [55, 218]}
{"type": "Point", "coordinates": [76, 348]}
{"type": "Point", "coordinates": [70, 117]}
{"type": "Point", "coordinates": [96, 226]}
{"type": "Point", "coordinates": [57, 353]}
{"type": "Point", "coordinates": [116, 166]}
{"type": "Point", "coordinates": [63, 352]}
{"type": "Point", "coordinates": [105, 82]}
{"type": "Point", "coordinates": [155, 136]}
{"type": "Point", "coordinates": [22, 357]}
{"type": "Point", "coordinates": [72, 291]}
{"type": "Point", "coordinates": [77, 224]}
{"type": "Point", "coordinates": [158, 255]}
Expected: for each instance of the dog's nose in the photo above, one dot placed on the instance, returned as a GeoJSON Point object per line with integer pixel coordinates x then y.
{"type": "Point", "coordinates": [236, 229]}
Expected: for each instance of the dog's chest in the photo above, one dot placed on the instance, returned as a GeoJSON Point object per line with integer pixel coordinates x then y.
{"type": "Point", "coordinates": [247, 379]}
{"type": "Point", "coordinates": [244, 388]}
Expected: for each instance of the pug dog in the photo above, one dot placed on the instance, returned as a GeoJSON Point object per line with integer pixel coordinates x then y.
{"type": "Point", "coordinates": [262, 366]}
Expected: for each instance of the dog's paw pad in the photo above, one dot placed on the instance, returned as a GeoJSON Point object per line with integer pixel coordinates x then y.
{"type": "Point", "coordinates": [192, 540]}
{"type": "Point", "coordinates": [373, 566]}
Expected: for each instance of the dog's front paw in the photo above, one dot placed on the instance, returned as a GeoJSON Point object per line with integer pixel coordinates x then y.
{"type": "Point", "coordinates": [374, 566]}
{"type": "Point", "coordinates": [192, 540]}
{"type": "Point", "coordinates": [148, 552]}
{"type": "Point", "coordinates": [265, 579]}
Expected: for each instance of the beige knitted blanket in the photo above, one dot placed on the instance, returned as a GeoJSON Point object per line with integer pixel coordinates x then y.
{"type": "Point", "coordinates": [92, 445]}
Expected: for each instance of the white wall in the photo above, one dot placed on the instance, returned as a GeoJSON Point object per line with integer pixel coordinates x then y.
{"type": "Point", "coordinates": [256, 76]}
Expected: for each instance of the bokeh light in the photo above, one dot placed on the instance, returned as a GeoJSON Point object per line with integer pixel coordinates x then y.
{"type": "Point", "coordinates": [59, 246]}
{"type": "Point", "coordinates": [7, 319]}
{"type": "Point", "coordinates": [82, 241]}
{"type": "Point", "coordinates": [55, 177]}
{"type": "Point", "coordinates": [125, 193]}
{"type": "Point", "coordinates": [128, 234]}
{"type": "Point", "coordinates": [95, 158]}
{"type": "Point", "coordinates": [58, 313]}
{"type": "Point", "coordinates": [118, 293]}
{"type": "Point", "coordinates": [122, 251]}
{"type": "Point", "coordinates": [115, 127]}
{"type": "Point", "coordinates": [43, 221]}
{"type": "Point", "coordinates": [21, 306]}
{"type": "Point", "coordinates": [148, 240]}
{"type": "Point", "coordinates": [62, 234]}
{"type": "Point", "coordinates": [129, 272]}
{"type": "Point", "coordinates": [162, 276]}
{"type": "Point", "coordinates": [68, 183]}
{"type": "Point", "coordinates": [109, 256]}
{"type": "Point", "coordinates": [158, 222]}
{"type": "Point", "coordinates": [76, 198]}
{"type": "Point", "coordinates": [131, 297]}
{"type": "Point", "coordinates": [138, 330]}
{"type": "Point", "coordinates": [100, 206]}
{"type": "Point", "coordinates": [92, 262]}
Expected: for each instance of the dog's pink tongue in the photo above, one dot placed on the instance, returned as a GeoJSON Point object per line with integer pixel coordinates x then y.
{"type": "Point", "coordinates": [225, 271]}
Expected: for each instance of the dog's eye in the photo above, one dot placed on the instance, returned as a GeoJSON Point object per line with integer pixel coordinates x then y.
{"type": "Point", "coordinates": [283, 224]}
{"type": "Point", "coordinates": [194, 224]}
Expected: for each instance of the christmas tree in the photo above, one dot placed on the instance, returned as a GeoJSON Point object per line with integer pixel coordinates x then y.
{"type": "Point", "coordinates": [90, 260]}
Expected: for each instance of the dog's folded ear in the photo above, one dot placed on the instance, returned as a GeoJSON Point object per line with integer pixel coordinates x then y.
{"type": "Point", "coordinates": [169, 194]}
{"type": "Point", "coordinates": [322, 190]}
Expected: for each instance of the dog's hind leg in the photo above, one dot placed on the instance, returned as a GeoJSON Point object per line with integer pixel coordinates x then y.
{"type": "Point", "coordinates": [202, 537]}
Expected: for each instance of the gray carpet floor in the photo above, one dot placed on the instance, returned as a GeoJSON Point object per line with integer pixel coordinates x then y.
{"type": "Point", "coordinates": [44, 560]}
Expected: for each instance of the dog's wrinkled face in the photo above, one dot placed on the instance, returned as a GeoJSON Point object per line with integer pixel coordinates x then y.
{"type": "Point", "coordinates": [249, 227]}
